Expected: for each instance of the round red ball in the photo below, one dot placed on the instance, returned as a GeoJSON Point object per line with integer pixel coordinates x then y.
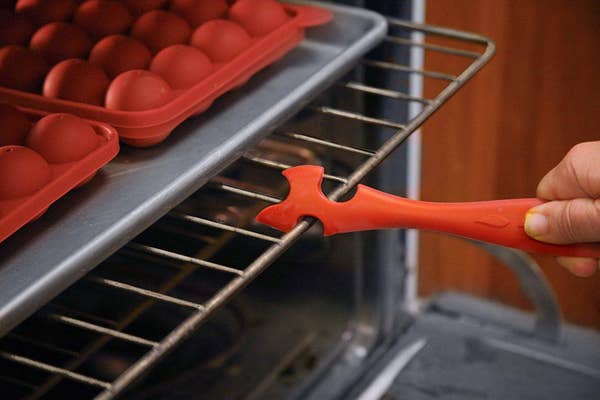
{"type": "Point", "coordinates": [197, 12]}
{"type": "Point", "coordinates": [59, 41]}
{"type": "Point", "coordinates": [15, 126]}
{"type": "Point", "coordinates": [62, 138]}
{"type": "Point", "coordinates": [14, 29]}
{"type": "Point", "coordinates": [159, 29]}
{"type": "Point", "coordinates": [258, 17]}
{"type": "Point", "coordinates": [45, 11]}
{"type": "Point", "coordinates": [21, 68]}
{"type": "Point", "coordinates": [138, 90]}
{"type": "Point", "coordinates": [221, 40]}
{"type": "Point", "coordinates": [119, 53]}
{"type": "Point", "coordinates": [181, 66]}
{"type": "Point", "coordinates": [76, 80]}
{"type": "Point", "coordinates": [22, 172]}
{"type": "Point", "coordinates": [101, 18]}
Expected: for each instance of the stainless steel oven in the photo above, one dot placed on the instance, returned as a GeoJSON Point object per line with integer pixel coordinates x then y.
{"type": "Point", "coordinates": [156, 283]}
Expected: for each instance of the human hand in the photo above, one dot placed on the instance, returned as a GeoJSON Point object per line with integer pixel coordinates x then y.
{"type": "Point", "coordinates": [572, 213]}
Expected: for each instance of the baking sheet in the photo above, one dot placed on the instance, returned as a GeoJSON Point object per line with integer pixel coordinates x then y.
{"type": "Point", "coordinates": [140, 186]}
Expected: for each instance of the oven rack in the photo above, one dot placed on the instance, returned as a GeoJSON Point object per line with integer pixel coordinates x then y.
{"type": "Point", "coordinates": [225, 228]}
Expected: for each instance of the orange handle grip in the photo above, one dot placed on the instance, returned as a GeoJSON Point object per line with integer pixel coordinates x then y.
{"type": "Point", "coordinates": [500, 222]}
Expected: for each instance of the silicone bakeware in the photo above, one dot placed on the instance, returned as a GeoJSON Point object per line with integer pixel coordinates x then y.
{"type": "Point", "coordinates": [143, 128]}
{"type": "Point", "coordinates": [139, 187]}
{"type": "Point", "coordinates": [15, 212]}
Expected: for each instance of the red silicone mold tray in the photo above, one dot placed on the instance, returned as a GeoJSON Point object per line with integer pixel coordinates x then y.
{"type": "Point", "coordinates": [44, 157]}
{"type": "Point", "coordinates": [142, 66]}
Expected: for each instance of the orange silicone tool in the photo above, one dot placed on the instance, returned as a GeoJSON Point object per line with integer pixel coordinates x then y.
{"type": "Point", "coordinates": [499, 222]}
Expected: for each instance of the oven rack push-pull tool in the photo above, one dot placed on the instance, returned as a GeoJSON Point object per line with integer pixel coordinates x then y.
{"type": "Point", "coordinates": [499, 221]}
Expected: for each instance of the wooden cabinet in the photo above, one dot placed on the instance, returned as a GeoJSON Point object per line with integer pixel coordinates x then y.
{"type": "Point", "coordinates": [500, 134]}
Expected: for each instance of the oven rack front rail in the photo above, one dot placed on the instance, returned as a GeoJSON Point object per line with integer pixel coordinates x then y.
{"type": "Point", "coordinates": [104, 330]}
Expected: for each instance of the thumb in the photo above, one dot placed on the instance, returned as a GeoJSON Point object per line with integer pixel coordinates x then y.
{"type": "Point", "coordinates": [564, 222]}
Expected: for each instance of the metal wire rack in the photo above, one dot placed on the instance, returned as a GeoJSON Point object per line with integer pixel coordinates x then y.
{"type": "Point", "coordinates": [51, 361]}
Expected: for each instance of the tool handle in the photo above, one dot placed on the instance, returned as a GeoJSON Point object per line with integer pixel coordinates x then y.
{"type": "Point", "coordinates": [500, 221]}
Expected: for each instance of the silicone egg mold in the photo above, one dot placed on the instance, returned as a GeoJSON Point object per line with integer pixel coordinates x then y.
{"type": "Point", "coordinates": [43, 157]}
{"type": "Point", "coordinates": [142, 66]}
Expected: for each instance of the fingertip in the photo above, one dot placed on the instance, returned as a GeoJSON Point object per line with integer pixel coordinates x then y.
{"type": "Point", "coordinates": [536, 224]}
{"type": "Point", "coordinates": [582, 267]}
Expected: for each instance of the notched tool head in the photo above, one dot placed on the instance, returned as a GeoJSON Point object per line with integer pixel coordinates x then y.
{"type": "Point", "coordinates": [304, 199]}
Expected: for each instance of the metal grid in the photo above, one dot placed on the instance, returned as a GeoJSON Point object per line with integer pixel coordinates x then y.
{"type": "Point", "coordinates": [223, 229]}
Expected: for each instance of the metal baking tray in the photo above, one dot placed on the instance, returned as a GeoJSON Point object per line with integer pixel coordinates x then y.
{"type": "Point", "coordinates": [140, 186]}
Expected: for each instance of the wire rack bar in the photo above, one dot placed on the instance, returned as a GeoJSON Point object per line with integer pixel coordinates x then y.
{"type": "Point", "coordinates": [183, 258]}
{"type": "Point", "coordinates": [448, 33]}
{"type": "Point", "coordinates": [218, 225]}
{"type": "Point", "coordinates": [105, 331]}
{"type": "Point", "coordinates": [136, 255]}
{"type": "Point", "coordinates": [65, 373]}
{"type": "Point", "coordinates": [357, 117]}
{"type": "Point", "coordinates": [433, 47]}
{"type": "Point", "coordinates": [327, 143]}
{"type": "Point", "coordinates": [392, 94]}
{"type": "Point", "coordinates": [83, 315]}
{"type": "Point", "coordinates": [247, 193]}
{"type": "Point", "coordinates": [281, 166]}
{"type": "Point", "coordinates": [404, 68]}
{"type": "Point", "coordinates": [146, 293]}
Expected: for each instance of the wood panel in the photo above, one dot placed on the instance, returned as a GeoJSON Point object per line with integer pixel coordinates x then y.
{"type": "Point", "coordinates": [500, 134]}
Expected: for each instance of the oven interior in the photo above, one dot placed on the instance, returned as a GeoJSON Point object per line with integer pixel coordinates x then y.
{"type": "Point", "coordinates": [189, 309]}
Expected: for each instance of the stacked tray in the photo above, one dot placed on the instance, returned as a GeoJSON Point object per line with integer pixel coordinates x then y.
{"type": "Point", "coordinates": [142, 66]}
{"type": "Point", "coordinates": [41, 159]}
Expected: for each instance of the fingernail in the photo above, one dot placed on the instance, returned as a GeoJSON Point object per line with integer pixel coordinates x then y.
{"type": "Point", "coordinates": [536, 224]}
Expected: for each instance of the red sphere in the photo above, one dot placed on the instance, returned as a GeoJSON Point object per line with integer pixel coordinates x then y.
{"type": "Point", "coordinates": [62, 138]}
{"type": "Point", "coordinates": [21, 68]}
{"type": "Point", "coordinates": [14, 29]}
{"type": "Point", "coordinates": [181, 66]}
{"type": "Point", "coordinates": [22, 172]}
{"type": "Point", "coordinates": [118, 53]}
{"type": "Point", "coordinates": [159, 29]}
{"type": "Point", "coordinates": [101, 18]}
{"type": "Point", "coordinates": [139, 7]}
{"type": "Point", "coordinates": [197, 12]}
{"type": "Point", "coordinates": [221, 40]}
{"type": "Point", "coordinates": [15, 126]}
{"type": "Point", "coordinates": [45, 11]}
{"type": "Point", "coordinates": [258, 17]}
{"type": "Point", "coordinates": [76, 80]}
{"type": "Point", "coordinates": [59, 41]}
{"type": "Point", "coordinates": [138, 90]}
